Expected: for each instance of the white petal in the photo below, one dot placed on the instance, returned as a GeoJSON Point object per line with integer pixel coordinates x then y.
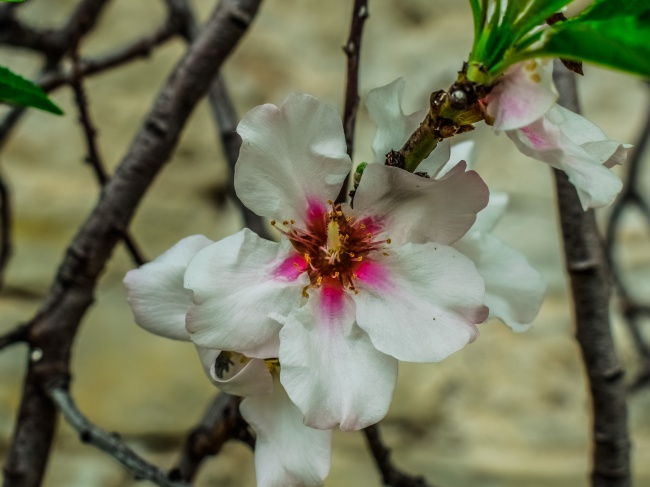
{"type": "Point", "coordinates": [287, 453]}
{"type": "Point", "coordinates": [465, 151]}
{"type": "Point", "coordinates": [238, 375]}
{"type": "Point", "coordinates": [237, 283]}
{"type": "Point", "coordinates": [559, 139]}
{"type": "Point", "coordinates": [492, 213]}
{"type": "Point", "coordinates": [156, 293]}
{"type": "Point", "coordinates": [524, 94]}
{"type": "Point", "coordinates": [513, 289]}
{"type": "Point", "coordinates": [291, 157]}
{"type": "Point", "coordinates": [438, 159]}
{"type": "Point", "coordinates": [417, 209]}
{"type": "Point", "coordinates": [393, 127]}
{"type": "Point", "coordinates": [330, 369]}
{"type": "Point", "coordinates": [420, 303]}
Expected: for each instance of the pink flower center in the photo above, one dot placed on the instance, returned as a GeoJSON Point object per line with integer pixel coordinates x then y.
{"type": "Point", "coordinates": [333, 245]}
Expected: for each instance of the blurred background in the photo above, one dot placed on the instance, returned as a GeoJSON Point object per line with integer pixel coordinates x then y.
{"type": "Point", "coordinates": [508, 410]}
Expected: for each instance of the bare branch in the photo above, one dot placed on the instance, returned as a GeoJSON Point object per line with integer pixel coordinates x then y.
{"type": "Point", "coordinates": [17, 335]}
{"type": "Point", "coordinates": [108, 442]}
{"type": "Point", "coordinates": [631, 197]}
{"type": "Point", "coordinates": [5, 228]}
{"type": "Point", "coordinates": [93, 157]}
{"type": "Point", "coordinates": [220, 423]}
{"type": "Point", "coordinates": [389, 473]}
{"type": "Point", "coordinates": [352, 50]}
{"type": "Point", "coordinates": [53, 329]}
{"type": "Point", "coordinates": [589, 278]}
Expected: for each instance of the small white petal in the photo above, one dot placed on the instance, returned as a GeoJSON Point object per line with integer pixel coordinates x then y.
{"type": "Point", "coordinates": [240, 377]}
{"type": "Point", "coordinates": [513, 289]}
{"type": "Point", "coordinates": [439, 158]}
{"type": "Point", "coordinates": [393, 127]}
{"type": "Point", "coordinates": [291, 157]}
{"type": "Point", "coordinates": [417, 209]}
{"type": "Point", "coordinates": [156, 293]}
{"type": "Point", "coordinates": [287, 453]}
{"type": "Point", "coordinates": [237, 283]}
{"type": "Point", "coordinates": [465, 151]}
{"type": "Point", "coordinates": [571, 143]}
{"type": "Point", "coordinates": [421, 302]}
{"type": "Point", "coordinates": [488, 217]}
{"type": "Point", "coordinates": [524, 94]}
{"type": "Point", "coordinates": [330, 368]}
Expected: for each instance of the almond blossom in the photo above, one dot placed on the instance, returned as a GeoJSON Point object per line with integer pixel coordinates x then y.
{"type": "Point", "coordinates": [347, 292]}
{"type": "Point", "coordinates": [287, 453]}
{"type": "Point", "coordinates": [523, 105]}
{"type": "Point", "coordinates": [513, 288]}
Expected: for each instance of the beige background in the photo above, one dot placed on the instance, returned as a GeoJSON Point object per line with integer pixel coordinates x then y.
{"type": "Point", "coordinates": [509, 410]}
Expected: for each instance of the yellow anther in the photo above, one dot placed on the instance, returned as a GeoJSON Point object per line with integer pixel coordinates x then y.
{"type": "Point", "coordinates": [351, 254]}
{"type": "Point", "coordinates": [369, 235]}
{"type": "Point", "coordinates": [295, 264]}
{"type": "Point", "coordinates": [356, 291]}
{"type": "Point", "coordinates": [307, 258]}
{"type": "Point", "coordinates": [285, 223]}
{"type": "Point", "coordinates": [335, 275]}
{"type": "Point", "coordinates": [339, 213]}
{"type": "Point", "coordinates": [359, 259]}
{"type": "Point", "coordinates": [362, 226]}
{"type": "Point", "coordinates": [385, 254]}
{"type": "Point", "coordinates": [273, 222]}
{"type": "Point", "coordinates": [319, 280]}
{"type": "Point", "coordinates": [293, 221]}
{"type": "Point", "coordinates": [330, 202]}
{"type": "Point", "coordinates": [348, 218]}
{"type": "Point", "coordinates": [388, 241]}
{"type": "Point", "coordinates": [354, 275]}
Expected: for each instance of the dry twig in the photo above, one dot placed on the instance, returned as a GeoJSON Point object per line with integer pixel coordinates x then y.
{"type": "Point", "coordinates": [586, 265]}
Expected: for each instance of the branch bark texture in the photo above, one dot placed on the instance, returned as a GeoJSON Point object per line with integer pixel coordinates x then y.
{"type": "Point", "coordinates": [590, 289]}
{"type": "Point", "coordinates": [52, 331]}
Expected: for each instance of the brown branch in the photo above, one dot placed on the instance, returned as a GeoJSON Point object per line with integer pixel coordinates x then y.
{"type": "Point", "coordinates": [352, 50]}
{"type": "Point", "coordinates": [5, 229]}
{"type": "Point", "coordinates": [53, 329]}
{"type": "Point", "coordinates": [390, 474]}
{"type": "Point", "coordinates": [17, 335]}
{"type": "Point", "coordinates": [108, 442]}
{"type": "Point", "coordinates": [589, 278]}
{"type": "Point", "coordinates": [220, 423]}
{"type": "Point", "coordinates": [93, 157]}
{"type": "Point", "coordinates": [631, 197]}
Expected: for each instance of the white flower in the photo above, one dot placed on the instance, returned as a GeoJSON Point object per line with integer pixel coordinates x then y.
{"type": "Point", "coordinates": [523, 105]}
{"type": "Point", "coordinates": [513, 289]}
{"type": "Point", "coordinates": [349, 291]}
{"type": "Point", "coordinates": [287, 453]}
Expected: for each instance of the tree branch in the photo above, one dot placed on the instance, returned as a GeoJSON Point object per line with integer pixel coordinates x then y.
{"type": "Point", "coordinates": [17, 335]}
{"type": "Point", "coordinates": [390, 474]}
{"type": "Point", "coordinates": [352, 50]}
{"type": "Point", "coordinates": [108, 442]}
{"type": "Point", "coordinates": [220, 423]}
{"type": "Point", "coordinates": [5, 228]}
{"type": "Point", "coordinates": [53, 329]}
{"type": "Point", "coordinates": [631, 197]}
{"type": "Point", "coordinates": [93, 157]}
{"type": "Point", "coordinates": [589, 278]}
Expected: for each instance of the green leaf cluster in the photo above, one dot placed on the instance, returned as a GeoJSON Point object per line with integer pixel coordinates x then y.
{"type": "Point", "coordinates": [612, 33]}
{"type": "Point", "coordinates": [16, 90]}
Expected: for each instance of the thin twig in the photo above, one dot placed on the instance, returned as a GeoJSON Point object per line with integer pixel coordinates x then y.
{"type": "Point", "coordinates": [390, 474]}
{"type": "Point", "coordinates": [352, 50]}
{"type": "Point", "coordinates": [631, 197]}
{"type": "Point", "coordinates": [53, 330]}
{"type": "Point", "coordinates": [109, 442]}
{"type": "Point", "coordinates": [589, 278]}
{"type": "Point", "coordinates": [5, 229]}
{"type": "Point", "coordinates": [93, 157]}
{"type": "Point", "coordinates": [17, 335]}
{"type": "Point", "coordinates": [220, 423]}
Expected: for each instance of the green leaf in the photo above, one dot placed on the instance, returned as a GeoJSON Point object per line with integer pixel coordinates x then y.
{"type": "Point", "coordinates": [531, 13]}
{"type": "Point", "coordinates": [478, 15]}
{"type": "Point", "coordinates": [16, 90]}
{"type": "Point", "coordinates": [618, 41]}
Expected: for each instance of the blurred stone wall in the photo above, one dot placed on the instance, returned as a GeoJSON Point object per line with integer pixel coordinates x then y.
{"type": "Point", "coordinates": [509, 410]}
